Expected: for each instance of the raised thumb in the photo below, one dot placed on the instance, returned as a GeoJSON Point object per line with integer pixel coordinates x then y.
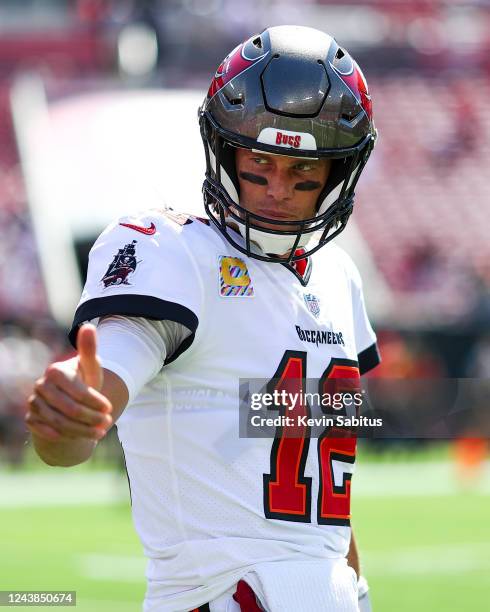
{"type": "Point", "coordinates": [89, 365]}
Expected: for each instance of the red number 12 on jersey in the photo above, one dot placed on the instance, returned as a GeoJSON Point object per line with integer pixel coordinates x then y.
{"type": "Point", "coordinates": [287, 492]}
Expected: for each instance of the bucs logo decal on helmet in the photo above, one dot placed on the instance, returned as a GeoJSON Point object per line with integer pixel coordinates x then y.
{"type": "Point", "coordinates": [235, 63]}
{"type": "Point", "coordinates": [356, 82]}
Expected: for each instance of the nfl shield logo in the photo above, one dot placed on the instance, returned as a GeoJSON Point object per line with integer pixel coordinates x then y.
{"type": "Point", "coordinates": [313, 304]}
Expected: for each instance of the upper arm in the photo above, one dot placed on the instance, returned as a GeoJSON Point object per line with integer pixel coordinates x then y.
{"type": "Point", "coordinates": [366, 343]}
{"type": "Point", "coordinates": [133, 350]}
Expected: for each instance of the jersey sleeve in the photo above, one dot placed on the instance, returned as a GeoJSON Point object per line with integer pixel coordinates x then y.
{"type": "Point", "coordinates": [136, 349]}
{"type": "Point", "coordinates": [142, 267]}
{"type": "Point", "coordinates": [368, 354]}
{"type": "Point", "coordinates": [367, 348]}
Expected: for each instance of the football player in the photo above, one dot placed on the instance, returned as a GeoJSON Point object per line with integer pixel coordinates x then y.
{"type": "Point", "coordinates": [185, 308]}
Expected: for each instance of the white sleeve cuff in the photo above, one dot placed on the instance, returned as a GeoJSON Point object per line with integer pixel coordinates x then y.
{"type": "Point", "coordinates": [135, 348]}
{"type": "Point", "coordinates": [123, 374]}
{"type": "Point", "coordinates": [132, 348]}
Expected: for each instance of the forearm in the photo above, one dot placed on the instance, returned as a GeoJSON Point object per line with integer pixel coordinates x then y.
{"type": "Point", "coordinates": [353, 556]}
{"type": "Point", "coordinates": [63, 453]}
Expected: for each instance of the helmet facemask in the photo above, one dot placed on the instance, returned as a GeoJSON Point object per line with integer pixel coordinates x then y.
{"type": "Point", "coordinates": [222, 201]}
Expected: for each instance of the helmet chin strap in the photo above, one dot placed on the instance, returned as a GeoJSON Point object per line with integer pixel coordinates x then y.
{"type": "Point", "coordinates": [272, 244]}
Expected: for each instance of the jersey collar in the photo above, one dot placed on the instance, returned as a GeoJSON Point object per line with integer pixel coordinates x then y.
{"type": "Point", "coordinates": [301, 268]}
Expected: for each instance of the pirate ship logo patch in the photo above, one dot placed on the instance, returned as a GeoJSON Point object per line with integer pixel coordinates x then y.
{"type": "Point", "coordinates": [123, 265]}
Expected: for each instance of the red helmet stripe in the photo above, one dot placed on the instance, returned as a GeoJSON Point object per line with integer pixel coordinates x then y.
{"type": "Point", "coordinates": [356, 82]}
{"type": "Point", "coordinates": [233, 65]}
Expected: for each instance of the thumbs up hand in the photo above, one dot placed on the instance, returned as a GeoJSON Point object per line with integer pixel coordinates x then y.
{"type": "Point", "coordinates": [66, 403]}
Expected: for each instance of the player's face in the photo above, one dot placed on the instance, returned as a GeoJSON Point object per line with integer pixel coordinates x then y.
{"type": "Point", "coordinates": [280, 187]}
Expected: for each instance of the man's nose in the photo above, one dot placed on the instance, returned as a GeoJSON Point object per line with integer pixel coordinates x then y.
{"type": "Point", "coordinates": [280, 186]}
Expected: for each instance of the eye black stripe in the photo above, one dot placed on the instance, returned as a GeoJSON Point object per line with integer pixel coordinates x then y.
{"type": "Point", "coordinates": [308, 186]}
{"type": "Point", "coordinates": [253, 178]}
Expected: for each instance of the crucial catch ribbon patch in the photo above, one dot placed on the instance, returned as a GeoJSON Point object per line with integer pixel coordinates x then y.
{"type": "Point", "coordinates": [234, 278]}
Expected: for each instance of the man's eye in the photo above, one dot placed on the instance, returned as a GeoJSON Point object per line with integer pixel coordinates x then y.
{"type": "Point", "coordinates": [304, 167]}
{"type": "Point", "coordinates": [260, 160]}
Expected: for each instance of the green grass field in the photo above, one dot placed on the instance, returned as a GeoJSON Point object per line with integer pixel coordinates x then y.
{"type": "Point", "coordinates": [425, 546]}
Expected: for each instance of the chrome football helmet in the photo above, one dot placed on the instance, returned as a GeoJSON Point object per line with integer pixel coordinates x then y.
{"type": "Point", "coordinates": [292, 91]}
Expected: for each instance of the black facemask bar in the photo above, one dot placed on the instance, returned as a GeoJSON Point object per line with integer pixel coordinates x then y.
{"type": "Point", "coordinates": [220, 207]}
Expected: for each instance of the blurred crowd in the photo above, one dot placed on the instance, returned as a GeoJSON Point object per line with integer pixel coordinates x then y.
{"type": "Point", "coordinates": [27, 346]}
{"type": "Point", "coordinates": [433, 250]}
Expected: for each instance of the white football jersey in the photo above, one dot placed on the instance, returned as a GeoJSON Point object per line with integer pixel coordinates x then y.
{"type": "Point", "coordinates": [208, 504]}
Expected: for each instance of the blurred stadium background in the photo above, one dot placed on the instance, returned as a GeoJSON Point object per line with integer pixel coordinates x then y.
{"type": "Point", "coordinates": [98, 104]}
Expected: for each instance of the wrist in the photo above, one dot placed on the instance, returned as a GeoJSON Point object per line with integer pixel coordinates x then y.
{"type": "Point", "coordinates": [65, 452]}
